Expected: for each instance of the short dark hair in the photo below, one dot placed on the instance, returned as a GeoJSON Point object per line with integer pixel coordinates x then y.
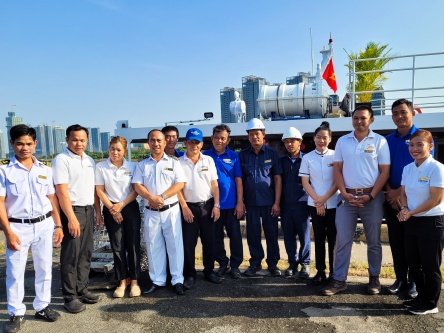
{"type": "Point", "coordinates": [20, 130]}
{"type": "Point", "coordinates": [403, 101]}
{"type": "Point", "coordinates": [154, 130]}
{"type": "Point", "coordinates": [325, 126]}
{"type": "Point", "coordinates": [221, 128]}
{"type": "Point", "coordinates": [75, 128]}
{"type": "Point", "coordinates": [362, 108]}
{"type": "Point", "coordinates": [170, 128]}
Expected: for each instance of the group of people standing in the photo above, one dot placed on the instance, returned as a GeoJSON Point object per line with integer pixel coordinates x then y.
{"type": "Point", "coordinates": [194, 194]}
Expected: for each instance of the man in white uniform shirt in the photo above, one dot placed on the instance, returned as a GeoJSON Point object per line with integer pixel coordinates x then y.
{"type": "Point", "coordinates": [158, 179]}
{"type": "Point", "coordinates": [361, 169]}
{"type": "Point", "coordinates": [28, 213]}
{"type": "Point", "coordinates": [73, 173]}
{"type": "Point", "coordinates": [200, 208]}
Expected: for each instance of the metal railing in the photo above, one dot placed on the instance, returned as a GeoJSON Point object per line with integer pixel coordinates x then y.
{"type": "Point", "coordinates": [422, 92]}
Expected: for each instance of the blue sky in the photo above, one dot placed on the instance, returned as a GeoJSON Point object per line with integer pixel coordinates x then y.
{"type": "Point", "coordinates": [95, 62]}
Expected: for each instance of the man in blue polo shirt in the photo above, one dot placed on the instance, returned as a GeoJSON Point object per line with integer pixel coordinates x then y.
{"type": "Point", "coordinates": [262, 181]}
{"type": "Point", "coordinates": [398, 141]}
{"type": "Point", "coordinates": [231, 201]}
{"type": "Point", "coordinates": [171, 137]}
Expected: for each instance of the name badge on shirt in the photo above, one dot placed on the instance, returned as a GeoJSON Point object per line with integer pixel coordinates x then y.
{"type": "Point", "coordinates": [204, 168]}
{"type": "Point", "coordinates": [407, 142]}
{"type": "Point", "coordinates": [423, 179]}
{"type": "Point", "coordinates": [169, 169]}
{"type": "Point", "coordinates": [42, 176]}
{"type": "Point", "coordinates": [127, 173]}
{"type": "Point", "coordinates": [227, 160]}
{"type": "Point", "coordinates": [267, 161]}
{"type": "Point", "coordinates": [370, 149]}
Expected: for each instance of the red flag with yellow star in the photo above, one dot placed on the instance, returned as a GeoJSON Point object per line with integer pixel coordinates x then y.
{"type": "Point", "coordinates": [329, 75]}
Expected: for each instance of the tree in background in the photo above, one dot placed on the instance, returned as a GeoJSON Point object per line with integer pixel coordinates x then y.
{"type": "Point", "coordinates": [369, 81]}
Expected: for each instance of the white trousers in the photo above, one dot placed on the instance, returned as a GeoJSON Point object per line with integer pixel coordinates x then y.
{"type": "Point", "coordinates": [163, 233]}
{"type": "Point", "coordinates": [38, 238]}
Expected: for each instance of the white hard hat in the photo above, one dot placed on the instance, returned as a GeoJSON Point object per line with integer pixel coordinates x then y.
{"type": "Point", "coordinates": [292, 133]}
{"type": "Point", "coordinates": [255, 123]}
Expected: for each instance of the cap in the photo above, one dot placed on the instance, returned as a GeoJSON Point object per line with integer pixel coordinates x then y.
{"type": "Point", "coordinates": [194, 134]}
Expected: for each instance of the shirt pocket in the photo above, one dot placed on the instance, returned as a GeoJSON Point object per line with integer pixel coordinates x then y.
{"type": "Point", "coordinates": [168, 176]}
{"type": "Point", "coordinates": [42, 185]}
{"type": "Point", "coordinates": [16, 186]}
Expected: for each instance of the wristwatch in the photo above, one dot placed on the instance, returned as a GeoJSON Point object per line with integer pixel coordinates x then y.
{"type": "Point", "coordinates": [164, 197]}
{"type": "Point", "coordinates": [217, 206]}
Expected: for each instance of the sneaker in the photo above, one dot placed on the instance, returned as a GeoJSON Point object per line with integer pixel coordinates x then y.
{"type": "Point", "coordinates": [411, 302]}
{"type": "Point", "coordinates": [15, 324]}
{"type": "Point", "coordinates": [252, 270]}
{"type": "Point", "coordinates": [374, 286]}
{"type": "Point", "coordinates": [292, 269]}
{"type": "Point", "coordinates": [422, 309]}
{"type": "Point", "coordinates": [47, 314]}
{"type": "Point", "coordinates": [90, 298]}
{"type": "Point", "coordinates": [222, 271]}
{"type": "Point", "coordinates": [235, 273]}
{"type": "Point", "coordinates": [334, 287]}
{"type": "Point", "coordinates": [75, 306]}
{"type": "Point", "coordinates": [135, 291]}
{"type": "Point", "coordinates": [119, 292]}
{"type": "Point", "coordinates": [304, 273]}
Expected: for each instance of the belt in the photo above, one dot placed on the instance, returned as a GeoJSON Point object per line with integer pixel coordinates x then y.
{"type": "Point", "coordinates": [163, 208]}
{"type": "Point", "coordinates": [200, 203]}
{"type": "Point", "coordinates": [34, 220]}
{"type": "Point", "coordinates": [359, 190]}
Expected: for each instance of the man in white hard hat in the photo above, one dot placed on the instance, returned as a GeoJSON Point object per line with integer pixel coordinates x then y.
{"type": "Point", "coordinates": [262, 182]}
{"type": "Point", "coordinates": [294, 209]}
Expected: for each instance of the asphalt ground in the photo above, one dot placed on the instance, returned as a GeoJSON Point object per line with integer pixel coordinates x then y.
{"type": "Point", "coordinates": [260, 304]}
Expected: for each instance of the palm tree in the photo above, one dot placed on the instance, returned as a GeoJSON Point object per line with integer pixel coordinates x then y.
{"type": "Point", "coordinates": [369, 81]}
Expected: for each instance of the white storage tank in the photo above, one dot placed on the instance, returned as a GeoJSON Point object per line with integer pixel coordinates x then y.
{"type": "Point", "coordinates": [284, 101]}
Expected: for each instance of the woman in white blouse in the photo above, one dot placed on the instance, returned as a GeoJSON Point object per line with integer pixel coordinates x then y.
{"type": "Point", "coordinates": [317, 178]}
{"type": "Point", "coordinates": [121, 215]}
{"type": "Point", "coordinates": [422, 202]}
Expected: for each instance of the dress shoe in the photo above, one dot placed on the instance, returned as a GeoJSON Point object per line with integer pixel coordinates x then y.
{"type": "Point", "coordinates": [178, 287]}
{"type": "Point", "coordinates": [275, 272]}
{"type": "Point", "coordinates": [411, 290]}
{"type": "Point", "coordinates": [252, 270]}
{"type": "Point", "coordinates": [222, 271]}
{"type": "Point", "coordinates": [213, 278]}
{"type": "Point", "coordinates": [135, 291]}
{"type": "Point", "coordinates": [292, 269]}
{"type": "Point", "coordinates": [151, 289]}
{"type": "Point", "coordinates": [235, 273]}
{"type": "Point", "coordinates": [319, 278]}
{"type": "Point", "coordinates": [189, 283]}
{"type": "Point", "coordinates": [75, 306]}
{"type": "Point", "coordinates": [374, 286]}
{"type": "Point", "coordinates": [90, 298]}
{"type": "Point", "coordinates": [304, 273]}
{"type": "Point", "coordinates": [15, 324]}
{"type": "Point", "coordinates": [396, 286]}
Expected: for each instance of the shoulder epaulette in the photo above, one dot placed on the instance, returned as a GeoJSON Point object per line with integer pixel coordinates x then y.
{"type": "Point", "coordinates": [47, 163]}
{"type": "Point", "coordinates": [4, 162]}
{"type": "Point", "coordinates": [174, 157]}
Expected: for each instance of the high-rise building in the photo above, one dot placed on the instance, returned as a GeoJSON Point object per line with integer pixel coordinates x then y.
{"type": "Point", "coordinates": [40, 149]}
{"type": "Point", "coordinates": [227, 96]}
{"type": "Point", "coordinates": [59, 141]}
{"type": "Point", "coordinates": [250, 93]}
{"type": "Point", "coordinates": [105, 138]}
{"type": "Point", "coordinates": [49, 137]}
{"type": "Point", "coordinates": [2, 145]}
{"type": "Point", "coordinates": [11, 120]}
{"type": "Point", "coordinates": [301, 77]}
{"type": "Point", "coordinates": [94, 138]}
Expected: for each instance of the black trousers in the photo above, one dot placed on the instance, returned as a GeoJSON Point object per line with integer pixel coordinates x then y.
{"type": "Point", "coordinates": [396, 232]}
{"type": "Point", "coordinates": [232, 226]}
{"type": "Point", "coordinates": [423, 248]}
{"type": "Point", "coordinates": [203, 226]}
{"type": "Point", "coordinates": [125, 241]}
{"type": "Point", "coordinates": [324, 227]}
{"type": "Point", "coordinates": [75, 255]}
